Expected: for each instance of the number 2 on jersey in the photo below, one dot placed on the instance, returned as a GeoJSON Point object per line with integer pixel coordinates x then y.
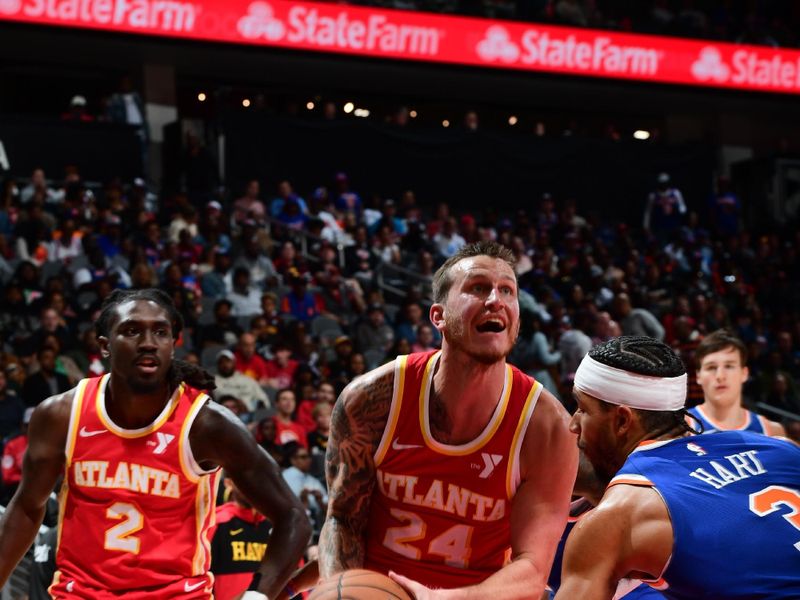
{"type": "Point", "coordinates": [770, 498]}
{"type": "Point", "coordinates": [453, 545]}
{"type": "Point", "coordinates": [118, 536]}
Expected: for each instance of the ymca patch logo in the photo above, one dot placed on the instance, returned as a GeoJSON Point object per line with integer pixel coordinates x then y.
{"type": "Point", "coordinates": [490, 461]}
{"type": "Point", "coordinates": [709, 66]}
{"type": "Point", "coordinates": [497, 45]}
{"type": "Point", "coordinates": [164, 440]}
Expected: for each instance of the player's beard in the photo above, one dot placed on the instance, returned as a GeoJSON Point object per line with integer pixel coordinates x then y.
{"type": "Point", "coordinates": [455, 334]}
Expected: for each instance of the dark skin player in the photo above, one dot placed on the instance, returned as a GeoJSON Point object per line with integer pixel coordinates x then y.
{"type": "Point", "coordinates": [140, 346]}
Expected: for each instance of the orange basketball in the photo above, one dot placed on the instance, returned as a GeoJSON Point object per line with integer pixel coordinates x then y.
{"type": "Point", "coordinates": [359, 584]}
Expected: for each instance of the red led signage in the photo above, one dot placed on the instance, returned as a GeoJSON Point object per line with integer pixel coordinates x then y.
{"type": "Point", "coordinates": [426, 37]}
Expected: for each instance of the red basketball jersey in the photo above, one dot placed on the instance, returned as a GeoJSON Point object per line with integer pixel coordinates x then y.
{"type": "Point", "coordinates": [439, 513]}
{"type": "Point", "coordinates": [135, 507]}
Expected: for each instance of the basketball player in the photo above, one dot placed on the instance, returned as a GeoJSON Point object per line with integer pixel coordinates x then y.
{"type": "Point", "coordinates": [710, 516]}
{"type": "Point", "coordinates": [589, 490]}
{"type": "Point", "coordinates": [141, 448]}
{"type": "Point", "coordinates": [452, 469]}
{"type": "Point", "coordinates": [721, 372]}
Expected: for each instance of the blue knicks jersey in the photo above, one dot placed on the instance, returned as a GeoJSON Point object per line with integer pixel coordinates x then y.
{"type": "Point", "coordinates": [577, 509]}
{"type": "Point", "coordinates": [755, 422]}
{"type": "Point", "coordinates": [734, 501]}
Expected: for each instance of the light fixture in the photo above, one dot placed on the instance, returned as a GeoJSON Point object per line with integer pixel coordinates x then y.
{"type": "Point", "coordinates": [201, 97]}
{"type": "Point", "coordinates": [445, 123]}
{"type": "Point", "coordinates": [641, 134]}
{"type": "Point", "coordinates": [246, 102]}
{"type": "Point", "coordinates": [310, 105]}
{"type": "Point", "coordinates": [413, 114]}
{"type": "Point", "coordinates": [348, 107]}
{"type": "Point", "coordinates": [512, 120]}
{"type": "Point", "coordinates": [361, 112]}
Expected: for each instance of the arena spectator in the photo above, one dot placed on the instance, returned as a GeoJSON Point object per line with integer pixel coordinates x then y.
{"type": "Point", "coordinates": [665, 209]}
{"type": "Point", "coordinates": [299, 302]}
{"type": "Point", "coordinates": [236, 406]}
{"type": "Point", "coordinates": [250, 205]}
{"type": "Point", "coordinates": [287, 428]}
{"type": "Point", "coordinates": [447, 241]}
{"type": "Point", "coordinates": [374, 337]}
{"type": "Point", "coordinates": [254, 258]}
{"type": "Point", "coordinates": [231, 382]}
{"type": "Point", "coordinates": [244, 297]}
{"type": "Point", "coordinates": [248, 362]}
{"type": "Point", "coordinates": [238, 543]}
{"type": "Point", "coordinates": [46, 381]}
{"type": "Point", "coordinates": [318, 438]}
{"type": "Point", "coordinates": [38, 188]}
{"type": "Point", "coordinates": [266, 435]}
{"type": "Point", "coordinates": [12, 409]}
{"type": "Point", "coordinates": [412, 318]}
{"type": "Point", "coordinates": [13, 453]}
{"type": "Point", "coordinates": [635, 321]}
{"type": "Point", "coordinates": [280, 370]}
{"type": "Point", "coordinates": [305, 486]}
{"type": "Point", "coordinates": [218, 282]}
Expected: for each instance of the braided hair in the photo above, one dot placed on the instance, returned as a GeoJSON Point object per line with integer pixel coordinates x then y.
{"type": "Point", "coordinates": [647, 356]}
{"type": "Point", "coordinates": [180, 370]}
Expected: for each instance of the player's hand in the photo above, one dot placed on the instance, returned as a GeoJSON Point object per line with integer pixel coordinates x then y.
{"type": "Point", "coordinates": [416, 589]}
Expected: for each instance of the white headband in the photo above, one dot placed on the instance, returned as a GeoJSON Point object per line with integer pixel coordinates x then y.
{"type": "Point", "coordinates": [618, 386]}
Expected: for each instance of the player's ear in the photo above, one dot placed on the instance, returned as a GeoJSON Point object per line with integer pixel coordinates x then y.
{"type": "Point", "coordinates": [437, 316]}
{"type": "Point", "coordinates": [623, 419]}
{"type": "Point", "coordinates": [102, 341]}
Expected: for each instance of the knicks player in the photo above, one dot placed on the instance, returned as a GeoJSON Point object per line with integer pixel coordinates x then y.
{"type": "Point", "coordinates": [711, 516]}
{"type": "Point", "coordinates": [452, 469]}
{"type": "Point", "coordinates": [589, 490]}
{"type": "Point", "coordinates": [721, 372]}
{"type": "Point", "coordinates": [141, 449]}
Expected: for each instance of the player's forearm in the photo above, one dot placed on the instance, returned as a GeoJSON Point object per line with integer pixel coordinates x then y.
{"type": "Point", "coordinates": [340, 548]}
{"type": "Point", "coordinates": [287, 542]}
{"type": "Point", "coordinates": [18, 529]}
{"type": "Point", "coordinates": [518, 580]}
{"type": "Point", "coordinates": [303, 579]}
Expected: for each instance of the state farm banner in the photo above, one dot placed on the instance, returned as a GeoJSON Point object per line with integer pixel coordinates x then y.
{"type": "Point", "coordinates": [404, 35]}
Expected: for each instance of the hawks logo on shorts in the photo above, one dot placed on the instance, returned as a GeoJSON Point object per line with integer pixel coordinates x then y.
{"type": "Point", "coordinates": [133, 501]}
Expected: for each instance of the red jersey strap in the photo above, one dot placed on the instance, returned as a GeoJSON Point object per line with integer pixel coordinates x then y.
{"type": "Point", "coordinates": [400, 368]}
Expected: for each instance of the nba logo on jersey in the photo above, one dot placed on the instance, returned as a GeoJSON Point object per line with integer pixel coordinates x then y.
{"type": "Point", "coordinates": [698, 450]}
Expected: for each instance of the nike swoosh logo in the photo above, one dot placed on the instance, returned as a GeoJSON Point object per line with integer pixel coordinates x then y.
{"type": "Point", "coordinates": [396, 445]}
{"type": "Point", "coordinates": [86, 433]}
{"type": "Point", "coordinates": [187, 587]}
{"type": "Point", "coordinates": [237, 531]}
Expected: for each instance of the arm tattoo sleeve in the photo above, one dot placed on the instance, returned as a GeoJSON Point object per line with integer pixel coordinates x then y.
{"type": "Point", "coordinates": [357, 424]}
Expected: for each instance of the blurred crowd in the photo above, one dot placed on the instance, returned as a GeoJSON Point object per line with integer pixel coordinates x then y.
{"type": "Point", "coordinates": [288, 294]}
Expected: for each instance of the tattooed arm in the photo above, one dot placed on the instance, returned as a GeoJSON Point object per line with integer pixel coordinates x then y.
{"type": "Point", "coordinates": [357, 424]}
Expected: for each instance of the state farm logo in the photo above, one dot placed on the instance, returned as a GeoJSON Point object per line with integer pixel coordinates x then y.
{"type": "Point", "coordinates": [10, 7]}
{"type": "Point", "coordinates": [260, 22]}
{"type": "Point", "coordinates": [710, 66]}
{"type": "Point", "coordinates": [497, 45]}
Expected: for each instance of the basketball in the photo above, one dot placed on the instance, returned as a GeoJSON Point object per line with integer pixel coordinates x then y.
{"type": "Point", "coordinates": [359, 584]}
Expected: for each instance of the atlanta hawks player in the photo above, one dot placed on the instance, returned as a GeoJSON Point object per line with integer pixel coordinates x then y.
{"type": "Point", "coordinates": [141, 448]}
{"type": "Point", "coordinates": [452, 469]}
